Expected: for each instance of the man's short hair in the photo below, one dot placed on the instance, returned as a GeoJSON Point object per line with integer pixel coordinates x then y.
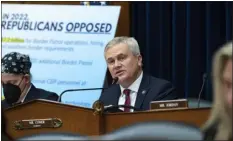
{"type": "Point", "coordinates": [129, 41]}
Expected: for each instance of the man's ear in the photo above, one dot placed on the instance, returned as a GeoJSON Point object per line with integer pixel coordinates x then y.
{"type": "Point", "coordinates": [27, 78]}
{"type": "Point", "coordinates": [140, 60]}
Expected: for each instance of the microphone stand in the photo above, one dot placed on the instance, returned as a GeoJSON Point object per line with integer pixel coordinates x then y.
{"type": "Point", "coordinates": [72, 90]}
{"type": "Point", "coordinates": [199, 95]}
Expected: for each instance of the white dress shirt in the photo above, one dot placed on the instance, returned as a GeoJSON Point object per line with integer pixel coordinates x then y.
{"type": "Point", "coordinates": [133, 92]}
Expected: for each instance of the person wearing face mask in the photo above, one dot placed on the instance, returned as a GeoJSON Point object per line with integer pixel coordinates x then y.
{"type": "Point", "coordinates": [134, 87]}
{"type": "Point", "coordinates": [16, 81]}
{"type": "Point", "coordinates": [219, 124]}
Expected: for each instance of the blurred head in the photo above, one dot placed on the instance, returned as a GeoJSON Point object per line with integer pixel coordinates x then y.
{"type": "Point", "coordinates": [124, 60]}
{"type": "Point", "coordinates": [227, 85]}
{"type": "Point", "coordinates": [15, 75]}
{"type": "Point", "coordinates": [222, 78]}
{"type": "Point", "coordinates": [222, 88]}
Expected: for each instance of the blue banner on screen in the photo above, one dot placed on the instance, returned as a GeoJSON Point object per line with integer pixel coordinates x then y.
{"type": "Point", "coordinates": [65, 44]}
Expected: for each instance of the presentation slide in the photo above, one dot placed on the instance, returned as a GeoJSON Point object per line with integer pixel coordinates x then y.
{"type": "Point", "coordinates": [65, 43]}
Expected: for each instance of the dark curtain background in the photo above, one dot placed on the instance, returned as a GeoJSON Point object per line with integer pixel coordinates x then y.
{"type": "Point", "coordinates": [177, 40]}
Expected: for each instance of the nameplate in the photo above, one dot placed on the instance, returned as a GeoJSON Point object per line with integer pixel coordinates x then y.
{"type": "Point", "coordinates": [37, 123]}
{"type": "Point", "coordinates": [169, 105]}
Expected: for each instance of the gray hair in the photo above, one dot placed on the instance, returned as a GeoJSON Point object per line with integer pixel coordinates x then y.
{"type": "Point", "coordinates": [129, 41]}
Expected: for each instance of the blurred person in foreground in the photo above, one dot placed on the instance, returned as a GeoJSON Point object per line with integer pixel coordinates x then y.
{"type": "Point", "coordinates": [16, 81]}
{"type": "Point", "coordinates": [134, 87]}
{"type": "Point", "coordinates": [219, 124]}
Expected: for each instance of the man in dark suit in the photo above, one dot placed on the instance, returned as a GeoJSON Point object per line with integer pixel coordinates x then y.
{"type": "Point", "coordinates": [133, 88]}
{"type": "Point", "coordinates": [16, 81]}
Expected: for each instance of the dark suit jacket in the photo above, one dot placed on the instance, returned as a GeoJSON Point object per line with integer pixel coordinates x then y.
{"type": "Point", "coordinates": [150, 89]}
{"type": "Point", "coordinates": [35, 93]}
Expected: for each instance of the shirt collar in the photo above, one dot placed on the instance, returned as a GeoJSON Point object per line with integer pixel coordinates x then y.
{"type": "Point", "coordinates": [26, 93]}
{"type": "Point", "coordinates": [135, 85]}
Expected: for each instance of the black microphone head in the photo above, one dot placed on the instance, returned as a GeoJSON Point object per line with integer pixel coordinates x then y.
{"type": "Point", "coordinates": [115, 80]}
{"type": "Point", "coordinates": [112, 109]}
{"type": "Point", "coordinates": [204, 75]}
{"type": "Point", "coordinates": [116, 108]}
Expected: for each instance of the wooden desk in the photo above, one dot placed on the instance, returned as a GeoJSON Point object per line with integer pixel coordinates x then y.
{"type": "Point", "coordinates": [83, 120]}
{"type": "Point", "coordinates": [192, 116]}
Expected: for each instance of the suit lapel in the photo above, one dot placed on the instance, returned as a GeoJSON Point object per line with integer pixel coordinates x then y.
{"type": "Point", "coordinates": [143, 90]}
{"type": "Point", "coordinates": [115, 94]}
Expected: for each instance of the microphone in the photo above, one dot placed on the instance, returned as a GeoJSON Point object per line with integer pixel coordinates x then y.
{"type": "Point", "coordinates": [115, 80]}
{"type": "Point", "coordinates": [203, 84]}
{"type": "Point", "coordinates": [72, 90]}
{"type": "Point", "coordinates": [115, 108]}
